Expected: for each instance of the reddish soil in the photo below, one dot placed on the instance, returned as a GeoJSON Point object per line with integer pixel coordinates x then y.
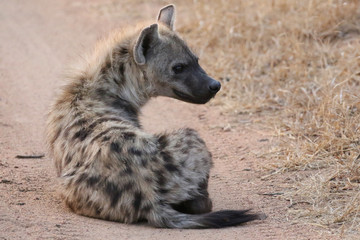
{"type": "Point", "coordinates": [37, 40]}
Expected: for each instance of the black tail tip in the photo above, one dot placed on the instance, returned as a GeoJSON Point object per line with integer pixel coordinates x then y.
{"type": "Point", "coordinates": [228, 218]}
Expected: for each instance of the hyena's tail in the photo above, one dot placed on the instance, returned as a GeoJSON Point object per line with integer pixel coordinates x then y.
{"type": "Point", "coordinates": [167, 217]}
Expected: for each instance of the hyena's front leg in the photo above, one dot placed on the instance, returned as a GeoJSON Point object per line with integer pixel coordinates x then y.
{"type": "Point", "coordinates": [187, 163]}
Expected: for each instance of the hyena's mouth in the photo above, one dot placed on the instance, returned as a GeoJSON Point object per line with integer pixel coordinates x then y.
{"type": "Point", "coordinates": [191, 99]}
{"type": "Point", "coordinates": [182, 95]}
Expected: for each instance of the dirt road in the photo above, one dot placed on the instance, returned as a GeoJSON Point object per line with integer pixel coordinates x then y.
{"type": "Point", "coordinates": [37, 40]}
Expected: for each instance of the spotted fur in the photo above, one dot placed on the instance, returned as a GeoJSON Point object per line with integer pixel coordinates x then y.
{"type": "Point", "coordinates": [109, 167]}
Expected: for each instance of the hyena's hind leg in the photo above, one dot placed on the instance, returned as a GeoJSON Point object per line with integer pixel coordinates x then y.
{"type": "Point", "coordinates": [187, 163]}
{"type": "Point", "coordinates": [199, 205]}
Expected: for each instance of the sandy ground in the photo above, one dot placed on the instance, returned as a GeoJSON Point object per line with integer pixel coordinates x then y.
{"type": "Point", "coordinates": [37, 40]}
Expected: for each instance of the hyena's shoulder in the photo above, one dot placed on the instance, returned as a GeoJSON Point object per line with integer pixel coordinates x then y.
{"type": "Point", "coordinates": [80, 137]}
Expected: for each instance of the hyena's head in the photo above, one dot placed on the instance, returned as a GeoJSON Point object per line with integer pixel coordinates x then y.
{"type": "Point", "coordinates": [170, 65]}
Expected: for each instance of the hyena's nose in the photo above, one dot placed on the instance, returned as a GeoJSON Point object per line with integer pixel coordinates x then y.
{"type": "Point", "coordinates": [214, 86]}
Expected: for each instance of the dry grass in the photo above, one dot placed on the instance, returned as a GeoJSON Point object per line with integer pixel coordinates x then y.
{"type": "Point", "coordinates": [297, 63]}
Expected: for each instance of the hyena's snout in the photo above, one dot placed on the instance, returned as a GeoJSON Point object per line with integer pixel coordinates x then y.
{"type": "Point", "coordinates": [207, 88]}
{"type": "Point", "coordinates": [196, 88]}
{"type": "Point", "coordinates": [214, 86]}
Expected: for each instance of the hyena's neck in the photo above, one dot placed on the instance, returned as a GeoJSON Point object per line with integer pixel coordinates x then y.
{"type": "Point", "coordinates": [122, 86]}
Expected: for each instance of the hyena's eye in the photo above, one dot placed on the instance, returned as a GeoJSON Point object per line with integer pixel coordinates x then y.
{"type": "Point", "coordinates": [178, 68]}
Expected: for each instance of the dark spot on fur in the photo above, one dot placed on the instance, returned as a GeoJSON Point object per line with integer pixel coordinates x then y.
{"type": "Point", "coordinates": [122, 104]}
{"type": "Point", "coordinates": [190, 143]}
{"type": "Point", "coordinates": [87, 166]}
{"type": "Point", "coordinates": [129, 135]}
{"type": "Point", "coordinates": [106, 132]}
{"type": "Point", "coordinates": [121, 69]}
{"type": "Point", "coordinates": [163, 190]}
{"type": "Point", "coordinates": [144, 162]}
{"type": "Point", "coordinates": [171, 167]}
{"type": "Point", "coordinates": [129, 111]}
{"type": "Point", "coordinates": [185, 150]}
{"type": "Point", "coordinates": [128, 170]}
{"type": "Point", "coordinates": [77, 114]}
{"type": "Point", "coordinates": [160, 178]}
{"type": "Point", "coordinates": [68, 159]}
{"type": "Point", "coordinates": [79, 123]}
{"type": "Point", "coordinates": [128, 186]}
{"type": "Point", "coordinates": [154, 159]}
{"type": "Point", "coordinates": [113, 192]}
{"type": "Point", "coordinates": [81, 178]}
{"type": "Point", "coordinates": [148, 179]}
{"type": "Point", "coordinates": [137, 201]}
{"type": "Point", "coordinates": [188, 180]}
{"type": "Point", "coordinates": [81, 134]}
{"type": "Point", "coordinates": [166, 156]}
{"type": "Point", "coordinates": [78, 164]}
{"type": "Point", "coordinates": [104, 119]}
{"type": "Point", "coordinates": [100, 92]}
{"type": "Point", "coordinates": [163, 141]}
{"type": "Point", "coordinates": [115, 147]}
{"type": "Point", "coordinates": [135, 151]}
{"type": "Point", "coordinates": [118, 78]}
{"type": "Point", "coordinates": [91, 181]}
{"type": "Point", "coordinates": [105, 139]}
{"type": "Point", "coordinates": [124, 51]}
{"type": "Point", "coordinates": [190, 132]}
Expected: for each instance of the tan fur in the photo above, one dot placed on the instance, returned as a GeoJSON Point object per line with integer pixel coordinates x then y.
{"type": "Point", "coordinates": [109, 167]}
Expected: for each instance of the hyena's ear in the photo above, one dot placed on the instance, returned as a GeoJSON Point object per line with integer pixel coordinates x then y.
{"type": "Point", "coordinates": [146, 39]}
{"type": "Point", "coordinates": [167, 16]}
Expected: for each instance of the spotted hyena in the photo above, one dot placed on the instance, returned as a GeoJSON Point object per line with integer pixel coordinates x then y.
{"type": "Point", "coordinates": [109, 167]}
